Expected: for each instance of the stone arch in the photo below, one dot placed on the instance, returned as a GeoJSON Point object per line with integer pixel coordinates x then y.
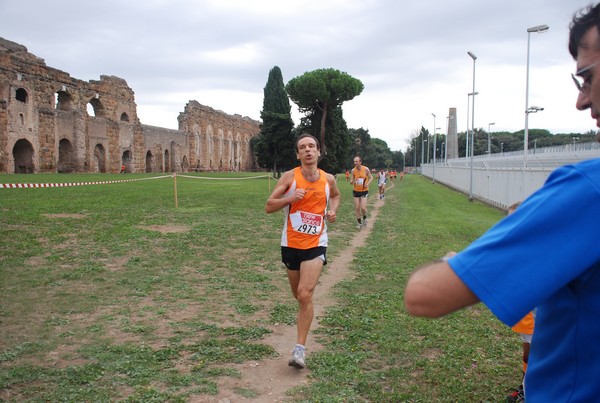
{"type": "Point", "coordinates": [96, 107]}
{"type": "Point", "coordinates": [210, 146]}
{"type": "Point", "coordinates": [99, 159]}
{"type": "Point", "coordinates": [238, 152]}
{"type": "Point", "coordinates": [174, 162]}
{"type": "Point", "coordinates": [197, 144]}
{"type": "Point", "coordinates": [65, 157]}
{"type": "Point", "coordinates": [167, 162]}
{"type": "Point", "coordinates": [149, 161]}
{"type": "Point", "coordinates": [63, 101]}
{"type": "Point", "coordinates": [221, 149]}
{"type": "Point", "coordinates": [21, 95]}
{"type": "Point", "coordinates": [124, 117]}
{"type": "Point", "coordinates": [23, 156]}
{"type": "Point", "coordinates": [126, 160]}
{"type": "Point", "coordinates": [229, 152]}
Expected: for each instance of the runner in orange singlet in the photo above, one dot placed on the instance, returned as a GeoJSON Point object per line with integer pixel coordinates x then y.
{"type": "Point", "coordinates": [361, 178]}
{"type": "Point", "coordinates": [309, 197]}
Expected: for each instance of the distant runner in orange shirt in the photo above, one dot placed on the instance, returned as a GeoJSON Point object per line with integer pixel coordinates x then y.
{"type": "Point", "coordinates": [309, 197]}
{"type": "Point", "coordinates": [361, 178]}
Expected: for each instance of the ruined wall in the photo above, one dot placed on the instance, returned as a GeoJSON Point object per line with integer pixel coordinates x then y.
{"type": "Point", "coordinates": [51, 122]}
{"type": "Point", "coordinates": [167, 148]}
{"type": "Point", "coordinates": [217, 141]}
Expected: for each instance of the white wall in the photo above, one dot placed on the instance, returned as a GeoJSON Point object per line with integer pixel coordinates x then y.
{"type": "Point", "coordinates": [502, 180]}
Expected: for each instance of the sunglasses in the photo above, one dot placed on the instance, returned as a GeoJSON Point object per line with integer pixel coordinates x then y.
{"type": "Point", "coordinates": [584, 83]}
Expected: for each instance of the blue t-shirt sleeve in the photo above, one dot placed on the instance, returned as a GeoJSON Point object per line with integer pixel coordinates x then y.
{"type": "Point", "coordinates": [550, 240]}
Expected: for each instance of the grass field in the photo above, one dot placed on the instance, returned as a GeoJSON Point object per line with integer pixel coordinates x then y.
{"type": "Point", "coordinates": [109, 292]}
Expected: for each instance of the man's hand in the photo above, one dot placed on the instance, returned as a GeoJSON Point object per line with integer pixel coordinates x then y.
{"type": "Point", "coordinates": [330, 216]}
{"type": "Point", "coordinates": [298, 195]}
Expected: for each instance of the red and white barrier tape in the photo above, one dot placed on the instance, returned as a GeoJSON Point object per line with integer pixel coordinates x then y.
{"type": "Point", "coordinates": [55, 185]}
{"type": "Point", "coordinates": [222, 179]}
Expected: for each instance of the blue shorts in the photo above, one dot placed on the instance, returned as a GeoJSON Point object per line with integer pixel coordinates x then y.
{"type": "Point", "coordinates": [292, 257]}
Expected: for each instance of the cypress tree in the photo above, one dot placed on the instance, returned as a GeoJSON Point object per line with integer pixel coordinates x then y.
{"type": "Point", "coordinates": [274, 147]}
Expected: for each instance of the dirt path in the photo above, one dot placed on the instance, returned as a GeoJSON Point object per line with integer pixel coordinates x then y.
{"type": "Point", "coordinates": [270, 379]}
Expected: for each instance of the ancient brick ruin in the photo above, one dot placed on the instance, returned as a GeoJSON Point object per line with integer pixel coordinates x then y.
{"type": "Point", "coordinates": [45, 126]}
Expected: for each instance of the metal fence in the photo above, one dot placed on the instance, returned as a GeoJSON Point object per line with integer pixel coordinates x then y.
{"type": "Point", "coordinates": [504, 178]}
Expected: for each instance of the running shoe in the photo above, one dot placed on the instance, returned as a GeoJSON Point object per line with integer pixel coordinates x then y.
{"type": "Point", "coordinates": [516, 396]}
{"type": "Point", "coordinates": [297, 360]}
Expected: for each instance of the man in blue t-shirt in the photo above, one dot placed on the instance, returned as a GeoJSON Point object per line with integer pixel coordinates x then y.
{"type": "Point", "coordinates": [550, 247]}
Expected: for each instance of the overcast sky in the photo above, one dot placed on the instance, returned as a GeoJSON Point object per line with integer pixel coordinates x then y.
{"type": "Point", "coordinates": [410, 55]}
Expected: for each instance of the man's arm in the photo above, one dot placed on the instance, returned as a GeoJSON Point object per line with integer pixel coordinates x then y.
{"type": "Point", "coordinates": [276, 201]}
{"type": "Point", "coordinates": [334, 198]}
{"type": "Point", "coordinates": [434, 290]}
{"type": "Point", "coordinates": [369, 178]}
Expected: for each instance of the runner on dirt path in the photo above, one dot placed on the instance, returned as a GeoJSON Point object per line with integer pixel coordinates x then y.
{"type": "Point", "coordinates": [381, 179]}
{"type": "Point", "coordinates": [361, 178]}
{"type": "Point", "coordinates": [308, 196]}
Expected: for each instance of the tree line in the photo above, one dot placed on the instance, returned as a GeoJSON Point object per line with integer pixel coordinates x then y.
{"type": "Point", "coordinates": [320, 94]}
{"type": "Point", "coordinates": [422, 144]}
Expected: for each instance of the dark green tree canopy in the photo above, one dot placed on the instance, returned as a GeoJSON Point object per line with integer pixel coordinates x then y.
{"type": "Point", "coordinates": [321, 91]}
{"type": "Point", "coordinates": [323, 87]}
{"type": "Point", "coordinates": [374, 152]}
{"type": "Point", "coordinates": [274, 146]}
{"type": "Point", "coordinates": [275, 99]}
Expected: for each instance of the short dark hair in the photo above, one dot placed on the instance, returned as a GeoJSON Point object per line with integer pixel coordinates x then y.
{"type": "Point", "coordinates": [583, 20]}
{"type": "Point", "coordinates": [304, 135]}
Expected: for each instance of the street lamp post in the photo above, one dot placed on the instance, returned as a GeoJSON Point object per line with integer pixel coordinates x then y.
{"type": "Point", "coordinates": [444, 150]}
{"type": "Point", "coordinates": [490, 138]}
{"type": "Point", "coordinates": [539, 29]}
{"type": "Point", "coordinates": [472, 128]}
{"type": "Point", "coordinates": [423, 141]}
{"type": "Point", "coordinates": [467, 136]}
{"type": "Point", "coordinates": [502, 148]}
{"type": "Point", "coordinates": [434, 146]}
{"type": "Point", "coordinates": [427, 147]}
{"type": "Point", "coordinates": [415, 156]}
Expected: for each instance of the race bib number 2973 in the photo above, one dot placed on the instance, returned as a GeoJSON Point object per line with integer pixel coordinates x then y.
{"type": "Point", "coordinates": [307, 223]}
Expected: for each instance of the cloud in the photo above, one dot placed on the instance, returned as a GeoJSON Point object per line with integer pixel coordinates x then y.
{"type": "Point", "coordinates": [411, 57]}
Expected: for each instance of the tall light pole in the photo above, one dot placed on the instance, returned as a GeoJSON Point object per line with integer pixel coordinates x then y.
{"type": "Point", "coordinates": [422, 151]}
{"type": "Point", "coordinates": [467, 136]}
{"type": "Point", "coordinates": [539, 29]}
{"type": "Point", "coordinates": [415, 156]}
{"type": "Point", "coordinates": [472, 128]}
{"type": "Point", "coordinates": [490, 138]}
{"type": "Point", "coordinates": [427, 145]}
{"type": "Point", "coordinates": [434, 146]}
{"type": "Point", "coordinates": [444, 150]}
